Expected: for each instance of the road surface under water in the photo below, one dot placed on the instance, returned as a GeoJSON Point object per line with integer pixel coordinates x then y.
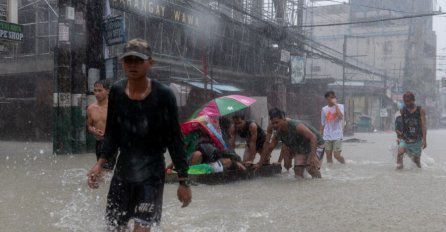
{"type": "Point", "coordinates": [43, 192]}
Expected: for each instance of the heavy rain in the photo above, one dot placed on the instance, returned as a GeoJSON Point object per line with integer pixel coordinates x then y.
{"type": "Point", "coordinates": [222, 115]}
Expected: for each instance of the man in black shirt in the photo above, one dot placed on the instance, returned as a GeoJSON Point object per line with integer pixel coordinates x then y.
{"type": "Point", "coordinates": [142, 121]}
{"type": "Point", "coordinates": [252, 132]}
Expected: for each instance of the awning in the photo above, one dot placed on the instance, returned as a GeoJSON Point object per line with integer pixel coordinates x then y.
{"type": "Point", "coordinates": [181, 93]}
{"type": "Point", "coordinates": [218, 88]}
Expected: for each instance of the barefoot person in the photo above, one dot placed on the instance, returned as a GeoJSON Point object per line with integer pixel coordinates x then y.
{"type": "Point", "coordinates": [332, 124]}
{"type": "Point", "coordinates": [96, 118]}
{"type": "Point", "coordinates": [252, 132]}
{"type": "Point", "coordinates": [303, 143]}
{"type": "Point", "coordinates": [413, 135]}
{"type": "Point", "coordinates": [142, 121]}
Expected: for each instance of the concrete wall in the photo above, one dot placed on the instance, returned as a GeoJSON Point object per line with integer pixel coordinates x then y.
{"type": "Point", "coordinates": [259, 112]}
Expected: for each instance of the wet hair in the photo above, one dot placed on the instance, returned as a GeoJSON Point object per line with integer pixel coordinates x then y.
{"type": "Point", "coordinates": [105, 84]}
{"type": "Point", "coordinates": [409, 95]}
{"type": "Point", "coordinates": [224, 122]}
{"type": "Point", "coordinates": [240, 116]}
{"type": "Point", "coordinates": [329, 94]}
{"type": "Point", "coordinates": [276, 113]}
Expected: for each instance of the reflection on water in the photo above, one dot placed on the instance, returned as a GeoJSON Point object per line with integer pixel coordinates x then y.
{"type": "Point", "coordinates": [43, 192]}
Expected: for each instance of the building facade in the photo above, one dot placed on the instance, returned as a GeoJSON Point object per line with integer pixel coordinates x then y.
{"type": "Point", "coordinates": [202, 49]}
{"type": "Point", "coordinates": [402, 52]}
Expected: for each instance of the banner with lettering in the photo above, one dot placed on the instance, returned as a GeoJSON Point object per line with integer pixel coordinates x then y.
{"type": "Point", "coordinates": [161, 9]}
{"type": "Point", "coordinates": [114, 30]}
{"type": "Point", "coordinates": [11, 31]}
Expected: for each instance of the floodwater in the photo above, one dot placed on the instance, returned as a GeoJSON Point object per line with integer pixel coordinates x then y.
{"type": "Point", "coordinates": [43, 192]}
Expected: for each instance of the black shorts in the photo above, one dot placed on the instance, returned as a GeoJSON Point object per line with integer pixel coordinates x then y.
{"type": "Point", "coordinates": [142, 202]}
{"type": "Point", "coordinates": [259, 144]}
{"type": "Point", "coordinates": [110, 163]}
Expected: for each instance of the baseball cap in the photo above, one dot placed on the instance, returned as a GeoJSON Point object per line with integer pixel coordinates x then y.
{"type": "Point", "coordinates": [137, 47]}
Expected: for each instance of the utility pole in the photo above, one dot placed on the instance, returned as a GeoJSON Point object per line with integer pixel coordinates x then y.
{"type": "Point", "coordinates": [62, 127]}
{"type": "Point", "coordinates": [300, 17]}
{"type": "Point", "coordinates": [382, 100]}
{"type": "Point", "coordinates": [300, 14]}
{"type": "Point", "coordinates": [79, 79]}
{"type": "Point", "coordinates": [69, 99]}
{"type": "Point", "coordinates": [344, 56]}
{"type": "Point", "coordinates": [205, 73]}
{"type": "Point", "coordinates": [95, 53]}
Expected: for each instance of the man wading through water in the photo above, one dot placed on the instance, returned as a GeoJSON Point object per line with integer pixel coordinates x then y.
{"type": "Point", "coordinates": [332, 124]}
{"type": "Point", "coordinates": [142, 121]}
{"type": "Point", "coordinates": [302, 142]}
{"type": "Point", "coordinates": [413, 136]}
{"type": "Point", "coordinates": [96, 118]}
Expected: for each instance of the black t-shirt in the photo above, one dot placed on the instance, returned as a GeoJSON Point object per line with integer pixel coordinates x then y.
{"type": "Point", "coordinates": [246, 134]}
{"type": "Point", "coordinates": [142, 130]}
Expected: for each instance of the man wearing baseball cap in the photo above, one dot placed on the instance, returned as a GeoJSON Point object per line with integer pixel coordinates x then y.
{"type": "Point", "coordinates": [142, 122]}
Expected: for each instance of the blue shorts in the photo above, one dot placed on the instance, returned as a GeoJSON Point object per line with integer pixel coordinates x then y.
{"type": "Point", "coordinates": [139, 201]}
{"type": "Point", "coordinates": [414, 148]}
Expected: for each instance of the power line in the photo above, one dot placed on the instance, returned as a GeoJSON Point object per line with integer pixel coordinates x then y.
{"type": "Point", "coordinates": [331, 54]}
{"type": "Point", "coordinates": [326, 14]}
{"type": "Point", "coordinates": [371, 7]}
{"type": "Point", "coordinates": [373, 21]}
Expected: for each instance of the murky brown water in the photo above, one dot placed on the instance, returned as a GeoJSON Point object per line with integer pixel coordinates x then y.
{"type": "Point", "coordinates": [42, 192]}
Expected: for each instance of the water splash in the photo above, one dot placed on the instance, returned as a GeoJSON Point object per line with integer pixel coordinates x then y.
{"type": "Point", "coordinates": [84, 211]}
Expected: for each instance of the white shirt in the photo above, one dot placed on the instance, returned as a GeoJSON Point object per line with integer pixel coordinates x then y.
{"type": "Point", "coordinates": [333, 126]}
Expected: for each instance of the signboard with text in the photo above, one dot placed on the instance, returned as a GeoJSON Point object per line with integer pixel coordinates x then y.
{"type": "Point", "coordinates": [285, 56]}
{"type": "Point", "coordinates": [297, 69]}
{"type": "Point", "coordinates": [114, 30]}
{"type": "Point", "coordinates": [111, 68]}
{"type": "Point", "coordinates": [160, 9]}
{"type": "Point", "coordinates": [11, 31]}
{"type": "Point", "coordinates": [64, 33]}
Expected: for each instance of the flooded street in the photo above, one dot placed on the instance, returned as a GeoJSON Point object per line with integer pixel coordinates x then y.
{"type": "Point", "coordinates": [43, 192]}
{"type": "Point", "coordinates": [139, 75]}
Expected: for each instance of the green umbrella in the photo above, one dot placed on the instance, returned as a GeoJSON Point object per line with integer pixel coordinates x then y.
{"type": "Point", "coordinates": [224, 105]}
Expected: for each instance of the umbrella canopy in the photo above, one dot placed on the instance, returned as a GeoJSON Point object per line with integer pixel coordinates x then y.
{"type": "Point", "coordinates": [224, 105]}
{"type": "Point", "coordinates": [201, 125]}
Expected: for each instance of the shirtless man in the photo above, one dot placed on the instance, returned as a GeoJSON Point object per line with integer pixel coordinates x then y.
{"type": "Point", "coordinates": [97, 117]}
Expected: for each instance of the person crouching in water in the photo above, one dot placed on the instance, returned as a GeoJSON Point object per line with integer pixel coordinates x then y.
{"type": "Point", "coordinates": [302, 142]}
{"type": "Point", "coordinates": [413, 136]}
{"type": "Point", "coordinates": [220, 161]}
{"type": "Point", "coordinates": [254, 135]}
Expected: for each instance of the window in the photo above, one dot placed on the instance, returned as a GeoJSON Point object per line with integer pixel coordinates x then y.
{"type": "Point", "coordinates": [4, 10]}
